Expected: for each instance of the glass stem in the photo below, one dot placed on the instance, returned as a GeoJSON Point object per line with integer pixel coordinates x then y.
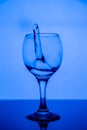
{"type": "Point", "coordinates": [42, 88]}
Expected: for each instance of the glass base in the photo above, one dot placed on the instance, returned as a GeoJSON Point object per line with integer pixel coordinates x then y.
{"type": "Point", "coordinates": [43, 116]}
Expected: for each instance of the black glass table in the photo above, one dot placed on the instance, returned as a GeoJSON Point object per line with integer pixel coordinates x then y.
{"type": "Point", "coordinates": [73, 115]}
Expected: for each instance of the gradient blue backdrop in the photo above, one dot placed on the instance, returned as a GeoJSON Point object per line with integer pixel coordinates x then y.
{"type": "Point", "coordinates": [66, 17]}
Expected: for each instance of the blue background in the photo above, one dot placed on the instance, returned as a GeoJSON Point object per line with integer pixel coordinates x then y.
{"type": "Point", "coordinates": [66, 17]}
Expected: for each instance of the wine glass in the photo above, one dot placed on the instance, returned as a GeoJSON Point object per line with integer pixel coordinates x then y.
{"type": "Point", "coordinates": [42, 56]}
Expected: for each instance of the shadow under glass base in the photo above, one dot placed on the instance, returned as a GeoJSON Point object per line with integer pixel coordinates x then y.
{"type": "Point", "coordinates": [43, 116]}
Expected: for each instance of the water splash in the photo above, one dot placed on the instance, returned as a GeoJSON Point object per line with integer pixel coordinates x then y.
{"type": "Point", "coordinates": [40, 66]}
{"type": "Point", "coordinates": [40, 61]}
{"type": "Point", "coordinates": [37, 43]}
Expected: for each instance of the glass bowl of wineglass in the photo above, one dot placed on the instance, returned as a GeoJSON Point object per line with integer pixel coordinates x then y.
{"type": "Point", "coordinates": [42, 55]}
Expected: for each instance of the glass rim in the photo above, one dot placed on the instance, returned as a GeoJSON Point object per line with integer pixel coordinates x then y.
{"type": "Point", "coordinates": [43, 35]}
